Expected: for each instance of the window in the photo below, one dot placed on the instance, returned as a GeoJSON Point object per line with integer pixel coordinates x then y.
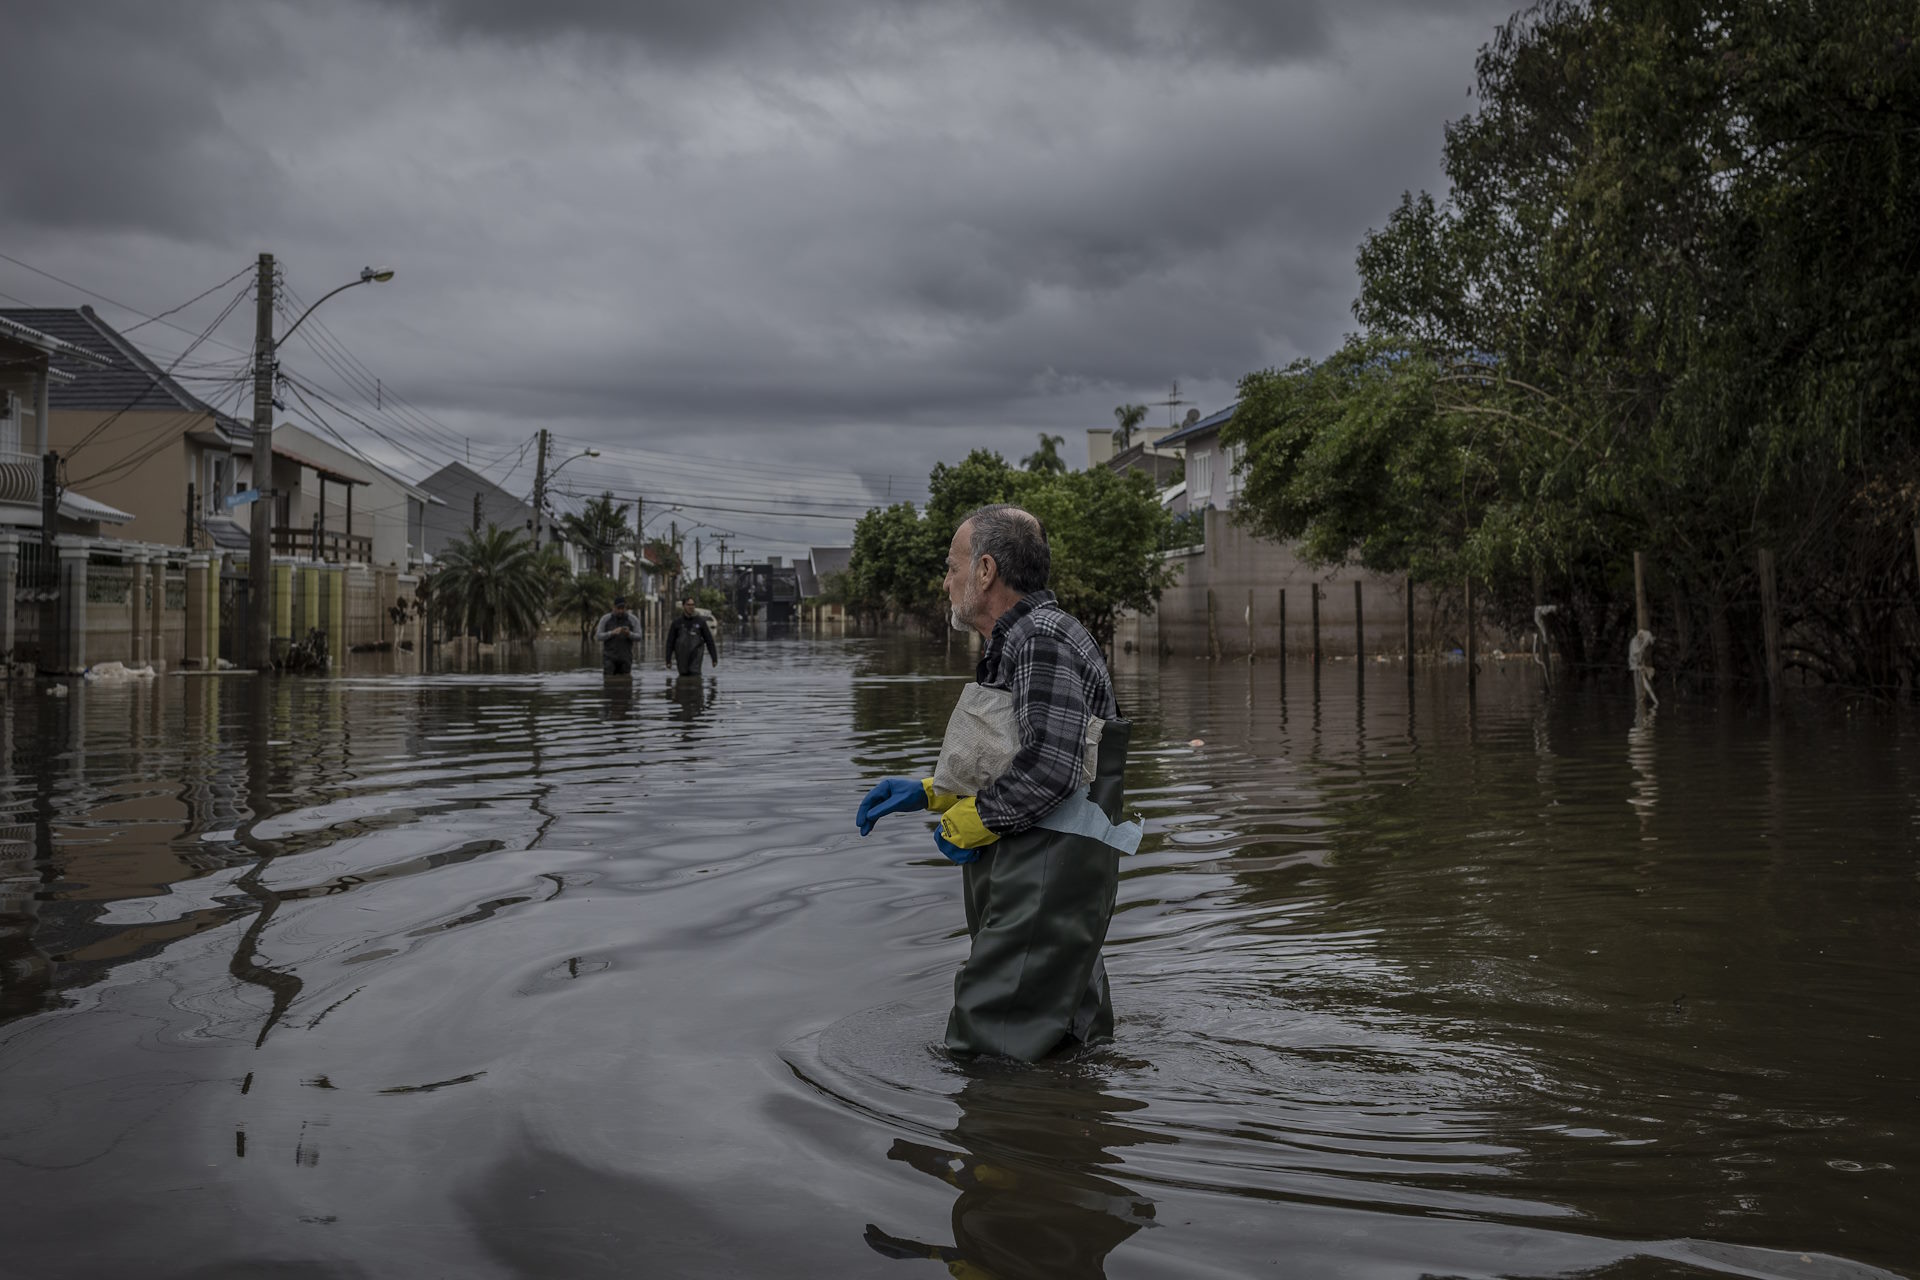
{"type": "Point", "coordinates": [1199, 477]}
{"type": "Point", "coordinates": [1236, 456]}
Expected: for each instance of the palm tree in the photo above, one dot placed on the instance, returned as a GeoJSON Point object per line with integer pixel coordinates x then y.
{"type": "Point", "coordinates": [1047, 456]}
{"type": "Point", "coordinates": [586, 596]}
{"type": "Point", "coordinates": [599, 527]}
{"type": "Point", "coordinates": [1128, 416]}
{"type": "Point", "coordinates": [491, 583]}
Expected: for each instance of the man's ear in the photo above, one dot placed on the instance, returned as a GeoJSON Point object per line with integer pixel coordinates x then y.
{"type": "Point", "coordinates": [989, 571]}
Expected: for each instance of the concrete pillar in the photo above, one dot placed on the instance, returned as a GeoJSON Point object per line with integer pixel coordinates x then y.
{"type": "Point", "coordinates": [203, 613]}
{"type": "Point", "coordinates": [333, 608]}
{"type": "Point", "coordinates": [156, 613]}
{"type": "Point", "coordinates": [306, 601]}
{"type": "Point", "coordinates": [282, 602]}
{"type": "Point", "coordinates": [137, 564]}
{"type": "Point", "coordinates": [211, 624]}
{"type": "Point", "coordinates": [73, 555]}
{"type": "Point", "coordinates": [9, 571]}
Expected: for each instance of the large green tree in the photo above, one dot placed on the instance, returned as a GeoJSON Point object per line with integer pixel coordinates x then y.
{"type": "Point", "coordinates": [1667, 305]}
{"type": "Point", "coordinates": [1104, 531]}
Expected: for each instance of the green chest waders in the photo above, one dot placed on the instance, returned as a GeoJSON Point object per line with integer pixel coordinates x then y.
{"type": "Point", "coordinates": [1038, 904]}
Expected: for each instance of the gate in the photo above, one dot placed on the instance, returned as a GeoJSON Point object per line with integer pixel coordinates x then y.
{"type": "Point", "coordinates": [234, 617]}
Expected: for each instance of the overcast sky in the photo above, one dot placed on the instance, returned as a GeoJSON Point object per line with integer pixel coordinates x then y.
{"type": "Point", "coordinates": [820, 244]}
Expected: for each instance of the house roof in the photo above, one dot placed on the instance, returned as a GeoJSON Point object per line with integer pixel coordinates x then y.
{"type": "Point", "coordinates": [21, 332]}
{"type": "Point", "coordinates": [124, 381]}
{"type": "Point", "coordinates": [830, 559]}
{"type": "Point", "coordinates": [78, 506]}
{"type": "Point", "coordinates": [1206, 426]}
{"type": "Point", "coordinates": [227, 533]}
{"type": "Point", "coordinates": [809, 584]}
{"type": "Point", "coordinates": [326, 471]}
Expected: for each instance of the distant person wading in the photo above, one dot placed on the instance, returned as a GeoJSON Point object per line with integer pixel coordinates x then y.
{"type": "Point", "coordinates": [685, 639]}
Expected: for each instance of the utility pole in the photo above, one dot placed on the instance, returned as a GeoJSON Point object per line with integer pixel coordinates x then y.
{"type": "Point", "coordinates": [696, 559]}
{"type": "Point", "coordinates": [673, 540]}
{"type": "Point", "coordinates": [540, 489]}
{"type": "Point", "coordinates": [260, 549]}
{"type": "Point", "coordinates": [640, 542]}
{"type": "Point", "coordinates": [476, 511]}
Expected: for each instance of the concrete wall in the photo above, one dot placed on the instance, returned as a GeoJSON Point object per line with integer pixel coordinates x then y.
{"type": "Point", "coordinates": [1245, 575]}
{"type": "Point", "coordinates": [175, 620]}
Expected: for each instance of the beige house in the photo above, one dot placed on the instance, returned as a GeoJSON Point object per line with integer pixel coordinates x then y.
{"type": "Point", "coordinates": [130, 437]}
{"type": "Point", "coordinates": [364, 513]}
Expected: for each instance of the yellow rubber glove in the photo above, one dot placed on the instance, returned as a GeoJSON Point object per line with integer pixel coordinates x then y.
{"type": "Point", "coordinates": [938, 801]}
{"type": "Point", "coordinates": [962, 826]}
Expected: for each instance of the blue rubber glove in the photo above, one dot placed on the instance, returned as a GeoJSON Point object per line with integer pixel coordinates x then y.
{"type": "Point", "coordinates": [890, 795]}
{"type": "Point", "coordinates": [955, 854]}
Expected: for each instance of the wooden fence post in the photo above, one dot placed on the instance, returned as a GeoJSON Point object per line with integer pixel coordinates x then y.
{"type": "Point", "coordinates": [1770, 621]}
{"type": "Point", "coordinates": [1359, 626]}
{"type": "Point", "coordinates": [1409, 629]}
{"type": "Point", "coordinates": [1315, 589]}
{"type": "Point", "coordinates": [1472, 647]}
{"type": "Point", "coordinates": [1283, 626]}
{"type": "Point", "coordinates": [1640, 591]}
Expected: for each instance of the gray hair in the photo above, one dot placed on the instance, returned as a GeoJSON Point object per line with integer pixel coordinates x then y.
{"type": "Point", "coordinates": [1016, 540]}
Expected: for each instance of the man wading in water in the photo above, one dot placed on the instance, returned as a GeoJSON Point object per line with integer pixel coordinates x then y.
{"type": "Point", "coordinates": [684, 638]}
{"type": "Point", "coordinates": [617, 633]}
{"type": "Point", "coordinates": [1029, 789]}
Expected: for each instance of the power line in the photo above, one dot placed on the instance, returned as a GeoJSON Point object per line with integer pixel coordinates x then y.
{"type": "Point", "coordinates": [113, 301]}
{"type": "Point", "coordinates": [155, 379]}
{"type": "Point", "coordinates": [189, 302]}
{"type": "Point", "coordinates": [299, 385]}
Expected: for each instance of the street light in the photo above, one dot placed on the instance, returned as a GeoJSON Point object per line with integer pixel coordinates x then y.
{"type": "Point", "coordinates": [541, 496]}
{"type": "Point", "coordinates": [265, 366]}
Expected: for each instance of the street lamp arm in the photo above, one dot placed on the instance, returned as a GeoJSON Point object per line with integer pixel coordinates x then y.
{"type": "Point", "coordinates": [368, 275]}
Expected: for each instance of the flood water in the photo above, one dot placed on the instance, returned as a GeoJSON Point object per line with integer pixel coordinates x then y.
{"type": "Point", "coordinates": [523, 974]}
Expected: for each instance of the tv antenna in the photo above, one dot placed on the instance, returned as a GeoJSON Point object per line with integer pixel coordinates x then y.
{"type": "Point", "coordinates": [1173, 399]}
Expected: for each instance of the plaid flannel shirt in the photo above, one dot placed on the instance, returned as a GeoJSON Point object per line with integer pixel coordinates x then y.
{"type": "Point", "coordinates": [1058, 680]}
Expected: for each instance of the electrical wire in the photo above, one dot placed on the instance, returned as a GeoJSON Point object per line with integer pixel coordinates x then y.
{"type": "Point", "coordinates": [189, 302]}
{"type": "Point", "coordinates": [4, 257]}
{"type": "Point", "coordinates": [157, 377]}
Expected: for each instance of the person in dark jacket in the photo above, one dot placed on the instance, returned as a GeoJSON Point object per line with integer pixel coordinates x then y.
{"type": "Point", "coordinates": [617, 633]}
{"type": "Point", "coordinates": [685, 637]}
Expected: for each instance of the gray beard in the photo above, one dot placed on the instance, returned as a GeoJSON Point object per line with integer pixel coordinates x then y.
{"type": "Point", "coordinates": [957, 622]}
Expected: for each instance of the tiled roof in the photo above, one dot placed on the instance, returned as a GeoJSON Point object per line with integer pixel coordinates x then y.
{"type": "Point", "coordinates": [26, 333]}
{"type": "Point", "coordinates": [78, 506]}
{"type": "Point", "coordinates": [227, 533]}
{"type": "Point", "coordinates": [130, 382]}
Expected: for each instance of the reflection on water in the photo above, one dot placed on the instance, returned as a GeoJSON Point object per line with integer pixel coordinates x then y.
{"type": "Point", "coordinates": [526, 971]}
{"type": "Point", "coordinates": [1024, 1158]}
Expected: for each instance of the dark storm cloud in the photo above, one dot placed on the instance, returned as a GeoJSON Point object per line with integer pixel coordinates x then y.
{"type": "Point", "coordinates": [115, 120]}
{"type": "Point", "coordinates": [842, 234]}
{"type": "Point", "coordinates": [1240, 31]}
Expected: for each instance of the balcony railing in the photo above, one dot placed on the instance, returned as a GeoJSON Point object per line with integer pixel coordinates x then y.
{"type": "Point", "coordinates": [20, 478]}
{"type": "Point", "coordinates": [334, 548]}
